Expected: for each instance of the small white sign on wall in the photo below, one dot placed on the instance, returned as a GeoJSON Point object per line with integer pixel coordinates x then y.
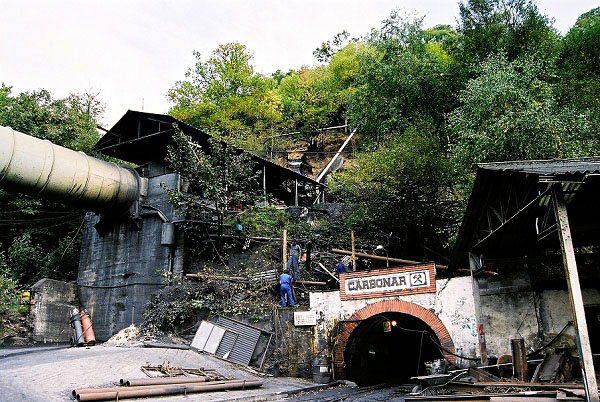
{"type": "Point", "coordinates": [302, 318]}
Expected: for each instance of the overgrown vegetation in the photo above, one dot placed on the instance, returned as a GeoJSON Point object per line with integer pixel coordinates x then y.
{"type": "Point", "coordinates": [430, 103]}
{"type": "Point", "coordinates": [40, 238]}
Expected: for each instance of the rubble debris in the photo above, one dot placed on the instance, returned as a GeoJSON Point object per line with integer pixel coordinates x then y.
{"type": "Point", "coordinates": [556, 367]}
{"type": "Point", "coordinates": [124, 336]}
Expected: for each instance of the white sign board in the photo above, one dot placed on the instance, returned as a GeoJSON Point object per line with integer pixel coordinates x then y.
{"type": "Point", "coordinates": [387, 282]}
{"type": "Point", "coordinates": [302, 318]}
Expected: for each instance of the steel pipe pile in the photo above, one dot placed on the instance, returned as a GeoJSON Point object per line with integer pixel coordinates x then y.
{"type": "Point", "coordinates": [115, 393]}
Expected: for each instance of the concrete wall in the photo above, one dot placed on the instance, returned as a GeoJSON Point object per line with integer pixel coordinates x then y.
{"type": "Point", "coordinates": [452, 303]}
{"type": "Point", "coordinates": [508, 306]}
{"type": "Point", "coordinates": [51, 304]}
{"type": "Point", "coordinates": [121, 266]}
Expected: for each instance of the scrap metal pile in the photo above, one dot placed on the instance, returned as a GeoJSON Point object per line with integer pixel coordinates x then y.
{"type": "Point", "coordinates": [171, 381]}
{"type": "Point", "coordinates": [552, 380]}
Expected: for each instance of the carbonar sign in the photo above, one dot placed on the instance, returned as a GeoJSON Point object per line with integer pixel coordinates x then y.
{"type": "Point", "coordinates": [388, 282]}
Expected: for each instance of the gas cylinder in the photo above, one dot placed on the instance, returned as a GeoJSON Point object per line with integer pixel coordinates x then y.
{"type": "Point", "coordinates": [78, 339]}
{"type": "Point", "coordinates": [88, 331]}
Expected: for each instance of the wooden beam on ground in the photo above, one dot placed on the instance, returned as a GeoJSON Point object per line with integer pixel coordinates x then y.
{"type": "Point", "coordinates": [217, 277]}
{"type": "Point", "coordinates": [577, 307]}
{"type": "Point", "coordinates": [482, 375]}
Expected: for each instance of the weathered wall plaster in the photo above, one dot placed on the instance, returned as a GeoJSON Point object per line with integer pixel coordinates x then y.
{"type": "Point", "coordinates": [509, 306]}
{"type": "Point", "coordinates": [52, 302]}
{"type": "Point", "coordinates": [452, 304]}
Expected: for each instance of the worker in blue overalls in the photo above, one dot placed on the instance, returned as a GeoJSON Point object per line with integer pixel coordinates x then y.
{"type": "Point", "coordinates": [295, 253]}
{"type": "Point", "coordinates": [285, 280]}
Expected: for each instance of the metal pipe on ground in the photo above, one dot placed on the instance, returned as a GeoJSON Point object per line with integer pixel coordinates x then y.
{"type": "Point", "coordinates": [165, 380]}
{"type": "Point", "coordinates": [150, 383]}
{"type": "Point", "coordinates": [166, 390]}
{"type": "Point", "coordinates": [124, 385]}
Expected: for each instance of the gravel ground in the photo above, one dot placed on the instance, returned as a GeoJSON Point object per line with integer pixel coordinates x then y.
{"type": "Point", "coordinates": [51, 373]}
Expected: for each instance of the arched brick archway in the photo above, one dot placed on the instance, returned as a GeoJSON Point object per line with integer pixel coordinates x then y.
{"type": "Point", "coordinates": [388, 306]}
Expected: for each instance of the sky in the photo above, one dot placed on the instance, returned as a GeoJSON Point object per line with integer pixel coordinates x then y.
{"type": "Point", "coordinates": [131, 52]}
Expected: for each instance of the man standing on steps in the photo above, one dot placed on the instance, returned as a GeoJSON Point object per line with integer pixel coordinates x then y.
{"type": "Point", "coordinates": [295, 253]}
{"type": "Point", "coordinates": [286, 288]}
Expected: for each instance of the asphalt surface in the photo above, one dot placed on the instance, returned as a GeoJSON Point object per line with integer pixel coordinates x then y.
{"type": "Point", "coordinates": [51, 373]}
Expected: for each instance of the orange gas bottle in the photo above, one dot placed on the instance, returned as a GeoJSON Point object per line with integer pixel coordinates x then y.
{"type": "Point", "coordinates": [88, 331]}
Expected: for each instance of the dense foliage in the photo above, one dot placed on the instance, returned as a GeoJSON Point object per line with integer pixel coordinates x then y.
{"type": "Point", "coordinates": [40, 238]}
{"type": "Point", "coordinates": [430, 103]}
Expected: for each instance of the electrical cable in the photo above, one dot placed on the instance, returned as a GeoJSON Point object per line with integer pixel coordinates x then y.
{"type": "Point", "coordinates": [438, 344]}
{"type": "Point", "coordinates": [568, 324]}
{"type": "Point", "coordinates": [420, 351]}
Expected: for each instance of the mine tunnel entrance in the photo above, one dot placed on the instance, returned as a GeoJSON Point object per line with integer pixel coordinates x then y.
{"type": "Point", "coordinates": [374, 356]}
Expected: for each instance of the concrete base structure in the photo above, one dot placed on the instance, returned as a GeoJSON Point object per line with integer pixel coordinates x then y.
{"type": "Point", "coordinates": [51, 305]}
{"type": "Point", "coordinates": [124, 260]}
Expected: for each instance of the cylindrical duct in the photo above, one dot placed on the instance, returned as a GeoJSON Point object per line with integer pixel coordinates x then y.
{"type": "Point", "coordinates": [38, 167]}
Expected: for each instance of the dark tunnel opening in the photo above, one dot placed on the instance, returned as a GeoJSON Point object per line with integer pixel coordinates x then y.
{"type": "Point", "coordinates": [374, 356]}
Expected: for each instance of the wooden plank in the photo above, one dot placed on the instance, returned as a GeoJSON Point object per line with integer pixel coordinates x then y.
{"type": "Point", "coordinates": [577, 308]}
{"type": "Point", "coordinates": [310, 283]}
{"type": "Point", "coordinates": [376, 257]}
{"type": "Point", "coordinates": [353, 255]}
{"type": "Point", "coordinates": [285, 249]}
{"type": "Point", "coordinates": [330, 274]}
{"type": "Point", "coordinates": [326, 169]}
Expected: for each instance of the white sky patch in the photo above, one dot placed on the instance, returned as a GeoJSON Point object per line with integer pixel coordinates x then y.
{"type": "Point", "coordinates": [132, 52]}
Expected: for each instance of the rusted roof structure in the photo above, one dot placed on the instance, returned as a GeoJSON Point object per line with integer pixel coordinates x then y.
{"type": "Point", "coordinates": [509, 213]}
{"type": "Point", "coordinates": [141, 137]}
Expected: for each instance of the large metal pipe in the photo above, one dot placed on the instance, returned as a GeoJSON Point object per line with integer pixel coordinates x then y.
{"type": "Point", "coordinates": [38, 167]}
{"type": "Point", "coordinates": [159, 382]}
{"type": "Point", "coordinates": [167, 390]}
{"type": "Point", "coordinates": [163, 380]}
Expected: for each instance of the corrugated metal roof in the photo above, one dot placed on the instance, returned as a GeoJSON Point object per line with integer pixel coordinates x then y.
{"type": "Point", "coordinates": [131, 141]}
{"type": "Point", "coordinates": [548, 167]}
{"type": "Point", "coordinates": [246, 342]}
{"type": "Point", "coordinates": [519, 182]}
{"type": "Point", "coordinates": [227, 344]}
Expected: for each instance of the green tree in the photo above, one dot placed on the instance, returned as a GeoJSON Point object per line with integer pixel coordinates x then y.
{"type": "Point", "coordinates": [325, 52]}
{"type": "Point", "coordinates": [513, 27]}
{"type": "Point", "coordinates": [40, 237]}
{"type": "Point", "coordinates": [217, 176]}
{"type": "Point", "coordinates": [402, 194]}
{"type": "Point", "coordinates": [226, 97]}
{"type": "Point", "coordinates": [579, 63]}
{"type": "Point", "coordinates": [403, 81]}
{"type": "Point", "coordinates": [307, 102]}
{"type": "Point", "coordinates": [510, 113]}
